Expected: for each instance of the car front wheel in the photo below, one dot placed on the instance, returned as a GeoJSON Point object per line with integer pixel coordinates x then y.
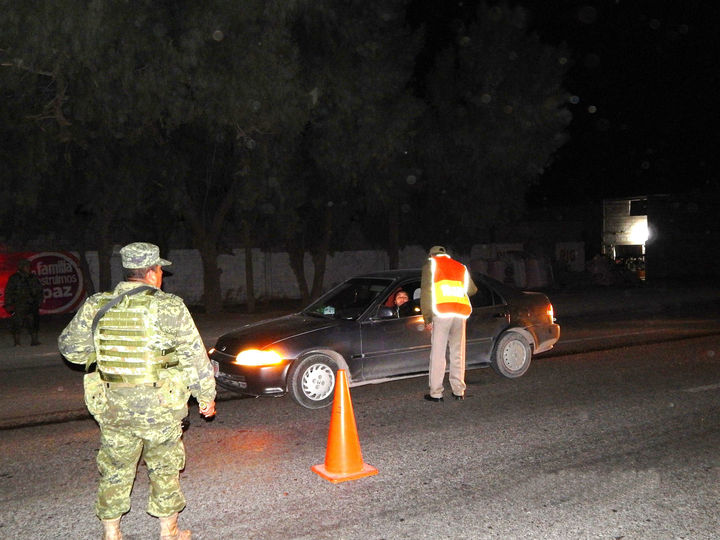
{"type": "Point", "coordinates": [512, 355]}
{"type": "Point", "coordinates": [312, 381]}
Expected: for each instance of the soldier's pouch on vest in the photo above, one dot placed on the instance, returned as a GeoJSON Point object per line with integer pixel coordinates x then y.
{"type": "Point", "coordinates": [174, 392]}
{"type": "Point", "coordinates": [94, 390]}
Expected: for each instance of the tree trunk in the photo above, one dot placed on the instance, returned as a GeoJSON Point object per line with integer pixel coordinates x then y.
{"type": "Point", "coordinates": [87, 276]}
{"type": "Point", "coordinates": [212, 295]}
{"type": "Point", "coordinates": [319, 263]}
{"type": "Point", "coordinates": [105, 253]}
{"type": "Point", "coordinates": [249, 272]}
{"type": "Point", "coordinates": [249, 279]}
{"type": "Point", "coordinates": [296, 254]}
{"type": "Point", "coordinates": [319, 255]}
{"type": "Point", "coordinates": [205, 240]}
{"type": "Point", "coordinates": [105, 268]}
{"type": "Point", "coordinates": [393, 249]}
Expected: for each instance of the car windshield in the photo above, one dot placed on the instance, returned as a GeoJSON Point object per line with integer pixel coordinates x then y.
{"type": "Point", "coordinates": [348, 300]}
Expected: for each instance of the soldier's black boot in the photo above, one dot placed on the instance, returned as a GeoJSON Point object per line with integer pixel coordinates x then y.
{"type": "Point", "coordinates": [34, 339]}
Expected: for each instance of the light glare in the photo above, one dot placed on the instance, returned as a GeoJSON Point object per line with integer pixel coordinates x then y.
{"type": "Point", "coordinates": [255, 357]}
{"type": "Point", "coordinates": [639, 232]}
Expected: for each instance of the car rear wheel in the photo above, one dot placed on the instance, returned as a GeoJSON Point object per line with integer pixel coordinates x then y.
{"type": "Point", "coordinates": [312, 381]}
{"type": "Point", "coordinates": [512, 355]}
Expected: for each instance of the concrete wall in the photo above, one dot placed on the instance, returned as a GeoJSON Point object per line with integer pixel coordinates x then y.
{"type": "Point", "coordinates": [273, 276]}
{"type": "Point", "coordinates": [274, 279]}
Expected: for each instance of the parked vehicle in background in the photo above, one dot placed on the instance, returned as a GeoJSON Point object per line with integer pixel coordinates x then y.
{"type": "Point", "coordinates": [356, 327]}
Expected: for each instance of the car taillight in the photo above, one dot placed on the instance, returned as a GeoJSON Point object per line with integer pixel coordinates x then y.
{"type": "Point", "coordinates": [551, 313]}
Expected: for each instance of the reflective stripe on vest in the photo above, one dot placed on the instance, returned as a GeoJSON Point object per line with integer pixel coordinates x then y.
{"type": "Point", "coordinates": [126, 342]}
{"type": "Point", "coordinates": [449, 290]}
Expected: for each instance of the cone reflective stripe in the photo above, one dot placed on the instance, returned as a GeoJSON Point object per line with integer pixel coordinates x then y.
{"type": "Point", "coordinates": [343, 457]}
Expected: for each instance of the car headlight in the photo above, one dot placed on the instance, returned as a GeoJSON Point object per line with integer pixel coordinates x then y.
{"type": "Point", "coordinates": [255, 357]}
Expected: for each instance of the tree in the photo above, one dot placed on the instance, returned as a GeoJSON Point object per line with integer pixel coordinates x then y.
{"type": "Point", "coordinates": [497, 113]}
{"type": "Point", "coordinates": [357, 57]}
{"type": "Point", "coordinates": [89, 76]}
{"type": "Point", "coordinates": [245, 93]}
{"type": "Point", "coordinates": [263, 213]}
{"type": "Point", "coordinates": [26, 156]}
{"type": "Point", "coordinates": [152, 71]}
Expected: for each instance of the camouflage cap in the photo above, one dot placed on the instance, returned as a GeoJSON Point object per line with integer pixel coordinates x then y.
{"type": "Point", "coordinates": [141, 255]}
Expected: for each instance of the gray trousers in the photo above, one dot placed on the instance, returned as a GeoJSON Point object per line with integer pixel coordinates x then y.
{"type": "Point", "coordinates": [447, 333]}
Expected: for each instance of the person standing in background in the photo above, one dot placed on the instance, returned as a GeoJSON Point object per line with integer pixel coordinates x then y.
{"type": "Point", "coordinates": [23, 296]}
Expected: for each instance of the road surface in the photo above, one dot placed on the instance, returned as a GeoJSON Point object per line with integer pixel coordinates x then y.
{"type": "Point", "coordinates": [609, 443]}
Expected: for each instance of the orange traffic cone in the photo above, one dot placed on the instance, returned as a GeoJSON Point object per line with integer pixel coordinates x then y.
{"type": "Point", "coordinates": [343, 458]}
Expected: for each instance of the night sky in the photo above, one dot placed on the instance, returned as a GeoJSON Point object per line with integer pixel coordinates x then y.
{"type": "Point", "coordinates": [644, 82]}
{"type": "Point", "coordinates": [645, 77]}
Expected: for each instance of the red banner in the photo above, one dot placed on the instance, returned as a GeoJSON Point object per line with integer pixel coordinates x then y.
{"type": "Point", "coordinates": [58, 272]}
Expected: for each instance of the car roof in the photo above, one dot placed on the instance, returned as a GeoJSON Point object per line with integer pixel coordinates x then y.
{"type": "Point", "coordinates": [405, 273]}
{"type": "Point", "coordinates": [393, 274]}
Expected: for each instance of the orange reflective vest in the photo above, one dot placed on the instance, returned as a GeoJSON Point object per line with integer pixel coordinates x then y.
{"type": "Point", "coordinates": [450, 282]}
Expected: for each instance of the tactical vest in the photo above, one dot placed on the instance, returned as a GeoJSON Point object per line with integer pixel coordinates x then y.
{"type": "Point", "coordinates": [127, 346]}
{"type": "Point", "coordinates": [449, 288]}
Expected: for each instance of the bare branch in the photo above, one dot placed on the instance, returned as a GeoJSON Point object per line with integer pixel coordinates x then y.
{"type": "Point", "coordinates": [18, 63]}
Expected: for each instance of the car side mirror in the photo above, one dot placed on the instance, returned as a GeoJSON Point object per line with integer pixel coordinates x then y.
{"type": "Point", "coordinates": [385, 312]}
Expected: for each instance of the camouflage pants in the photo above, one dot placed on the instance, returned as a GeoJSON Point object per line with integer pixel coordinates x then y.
{"type": "Point", "coordinates": [161, 448]}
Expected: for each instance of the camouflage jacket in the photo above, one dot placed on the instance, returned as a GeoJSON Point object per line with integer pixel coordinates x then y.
{"type": "Point", "coordinates": [174, 322]}
{"type": "Point", "coordinates": [23, 291]}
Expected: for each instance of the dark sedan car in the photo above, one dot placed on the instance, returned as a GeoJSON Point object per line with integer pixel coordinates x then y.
{"type": "Point", "coordinates": [356, 327]}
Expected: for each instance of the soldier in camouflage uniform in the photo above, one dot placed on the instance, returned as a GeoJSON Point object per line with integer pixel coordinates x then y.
{"type": "Point", "coordinates": [23, 296]}
{"type": "Point", "coordinates": [150, 359]}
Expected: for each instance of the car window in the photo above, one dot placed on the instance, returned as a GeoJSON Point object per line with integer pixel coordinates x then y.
{"type": "Point", "coordinates": [348, 300]}
{"type": "Point", "coordinates": [484, 296]}
{"type": "Point", "coordinates": [412, 306]}
{"type": "Point", "coordinates": [410, 309]}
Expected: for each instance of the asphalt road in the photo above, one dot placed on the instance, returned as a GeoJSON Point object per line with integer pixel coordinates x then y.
{"type": "Point", "coordinates": [615, 442]}
{"type": "Point", "coordinates": [39, 386]}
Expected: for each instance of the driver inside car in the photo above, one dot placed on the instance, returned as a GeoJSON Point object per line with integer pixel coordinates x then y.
{"type": "Point", "coordinates": [403, 307]}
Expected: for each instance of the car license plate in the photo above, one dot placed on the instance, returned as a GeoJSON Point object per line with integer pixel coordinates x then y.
{"type": "Point", "coordinates": [216, 367]}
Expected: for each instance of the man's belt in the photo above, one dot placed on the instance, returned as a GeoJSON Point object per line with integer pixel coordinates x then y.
{"type": "Point", "coordinates": [157, 384]}
{"type": "Point", "coordinates": [150, 375]}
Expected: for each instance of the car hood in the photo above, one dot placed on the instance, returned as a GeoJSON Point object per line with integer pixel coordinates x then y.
{"type": "Point", "coordinates": [263, 334]}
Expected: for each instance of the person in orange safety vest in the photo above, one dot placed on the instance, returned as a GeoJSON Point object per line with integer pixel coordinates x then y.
{"type": "Point", "coordinates": [446, 286]}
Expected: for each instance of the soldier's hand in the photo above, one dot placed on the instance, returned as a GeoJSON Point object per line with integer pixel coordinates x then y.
{"type": "Point", "coordinates": [207, 409]}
